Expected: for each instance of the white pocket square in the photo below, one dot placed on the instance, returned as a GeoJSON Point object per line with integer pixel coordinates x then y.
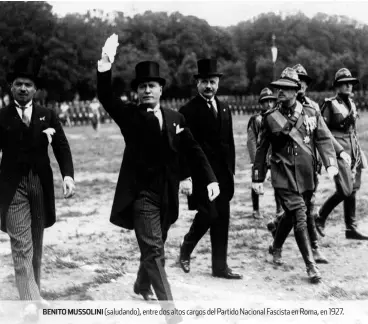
{"type": "Point", "coordinates": [178, 129]}
{"type": "Point", "coordinates": [49, 132]}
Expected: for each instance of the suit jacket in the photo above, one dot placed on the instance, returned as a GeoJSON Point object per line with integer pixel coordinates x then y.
{"type": "Point", "coordinates": [215, 136]}
{"type": "Point", "coordinates": [134, 126]}
{"type": "Point", "coordinates": [14, 160]}
{"type": "Point", "coordinates": [292, 167]}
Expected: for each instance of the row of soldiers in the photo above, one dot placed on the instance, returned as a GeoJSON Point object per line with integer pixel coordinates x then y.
{"type": "Point", "coordinates": [292, 138]}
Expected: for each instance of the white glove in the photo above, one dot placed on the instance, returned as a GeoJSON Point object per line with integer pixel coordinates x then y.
{"type": "Point", "coordinates": [258, 188]}
{"type": "Point", "coordinates": [346, 157]}
{"type": "Point", "coordinates": [186, 187]}
{"type": "Point", "coordinates": [49, 132]}
{"type": "Point", "coordinates": [268, 175]}
{"type": "Point", "coordinates": [110, 47]}
{"type": "Point", "coordinates": [68, 187]}
{"type": "Point", "coordinates": [213, 190]}
{"type": "Point", "coordinates": [332, 171]}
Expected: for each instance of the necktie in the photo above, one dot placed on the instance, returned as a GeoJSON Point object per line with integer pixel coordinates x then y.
{"type": "Point", "coordinates": [25, 118]}
{"type": "Point", "coordinates": [156, 113]}
{"type": "Point", "coordinates": [212, 108]}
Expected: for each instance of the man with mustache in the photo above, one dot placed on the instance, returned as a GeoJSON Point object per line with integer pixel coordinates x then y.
{"type": "Point", "coordinates": [294, 133]}
{"type": "Point", "coordinates": [286, 225]}
{"type": "Point", "coordinates": [27, 199]}
{"type": "Point", "coordinates": [210, 122]}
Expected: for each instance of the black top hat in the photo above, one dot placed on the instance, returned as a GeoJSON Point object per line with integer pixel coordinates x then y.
{"type": "Point", "coordinates": [26, 65]}
{"type": "Point", "coordinates": [207, 68]}
{"type": "Point", "coordinates": [147, 71]}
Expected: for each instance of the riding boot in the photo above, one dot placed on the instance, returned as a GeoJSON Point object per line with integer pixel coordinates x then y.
{"type": "Point", "coordinates": [351, 219]}
{"type": "Point", "coordinates": [325, 211]}
{"type": "Point", "coordinates": [302, 239]}
{"type": "Point", "coordinates": [283, 229]}
{"type": "Point", "coordinates": [312, 231]}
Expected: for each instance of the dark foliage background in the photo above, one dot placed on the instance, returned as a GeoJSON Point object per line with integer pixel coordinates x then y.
{"type": "Point", "coordinates": [71, 46]}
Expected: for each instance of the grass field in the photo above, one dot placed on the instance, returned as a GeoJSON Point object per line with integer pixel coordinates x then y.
{"type": "Point", "coordinates": [87, 258]}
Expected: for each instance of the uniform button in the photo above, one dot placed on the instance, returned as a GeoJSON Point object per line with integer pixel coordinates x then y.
{"type": "Point", "coordinates": [295, 146]}
{"type": "Point", "coordinates": [296, 153]}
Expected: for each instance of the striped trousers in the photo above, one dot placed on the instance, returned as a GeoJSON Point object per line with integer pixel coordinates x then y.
{"type": "Point", "coordinates": [25, 225]}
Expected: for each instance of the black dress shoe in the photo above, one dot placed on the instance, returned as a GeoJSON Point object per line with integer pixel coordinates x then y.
{"type": "Point", "coordinates": [355, 235]}
{"type": "Point", "coordinates": [227, 274]}
{"type": "Point", "coordinates": [146, 294]}
{"type": "Point", "coordinates": [184, 261]}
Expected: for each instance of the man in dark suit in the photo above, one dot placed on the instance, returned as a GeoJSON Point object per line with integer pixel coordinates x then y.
{"type": "Point", "coordinates": [294, 132]}
{"type": "Point", "coordinates": [146, 197]}
{"type": "Point", "coordinates": [210, 122]}
{"type": "Point", "coordinates": [27, 201]}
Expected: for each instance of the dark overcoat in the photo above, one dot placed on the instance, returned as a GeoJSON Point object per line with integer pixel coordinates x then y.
{"type": "Point", "coordinates": [16, 160]}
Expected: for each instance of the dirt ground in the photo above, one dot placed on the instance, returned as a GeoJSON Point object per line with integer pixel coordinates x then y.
{"type": "Point", "coordinates": [88, 259]}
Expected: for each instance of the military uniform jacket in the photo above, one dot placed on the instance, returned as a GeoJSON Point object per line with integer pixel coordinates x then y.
{"type": "Point", "coordinates": [215, 136]}
{"type": "Point", "coordinates": [140, 148]}
{"type": "Point", "coordinates": [341, 120]}
{"type": "Point", "coordinates": [254, 136]}
{"type": "Point", "coordinates": [293, 162]}
{"type": "Point", "coordinates": [309, 103]}
{"type": "Point", "coordinates": [253, 132]}
{"type": "Point", "coordinates": [15, 161]}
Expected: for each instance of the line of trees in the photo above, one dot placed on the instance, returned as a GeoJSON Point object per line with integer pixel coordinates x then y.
{"type": "Point", "coordinates": [71, 45]}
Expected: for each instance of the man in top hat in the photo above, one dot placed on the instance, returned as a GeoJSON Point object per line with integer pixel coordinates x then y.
{"type": "Point", "coordinates": [267, 101]}
{"type": "Point", "coordinates": [27, 201]}
{"type": "Point", "coordinates": [146, 196]}
{"type": "Point", "coordinates": [340, 114]}
{"type": "Point", "coordinates": [287, 225]}
{"type": "Point", "coordinates": [210, 122]}
{"type": "Point", "coordinates": [294, 133]}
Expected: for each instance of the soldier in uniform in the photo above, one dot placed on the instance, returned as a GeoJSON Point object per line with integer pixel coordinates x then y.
{"type": "Point", "coordinates": [308, 103]}
{"type": "Point", "coordinates": [340, 114]}
{"type": "Point", "coordinates": [294, 133]}
{"type": "Point", "coordinates": [267, 101]}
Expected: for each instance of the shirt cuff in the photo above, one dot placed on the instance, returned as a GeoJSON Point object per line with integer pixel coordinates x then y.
{"type": "Point", "coordinates": [103, 66]}
{"type": "Point", "coordinates": [68, 178]}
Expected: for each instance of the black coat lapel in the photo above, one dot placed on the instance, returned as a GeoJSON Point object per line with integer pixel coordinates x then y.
{"type": "Point", "coordinates": [170, 126]}
{"type": "Point", "coordinates": [36, 121]}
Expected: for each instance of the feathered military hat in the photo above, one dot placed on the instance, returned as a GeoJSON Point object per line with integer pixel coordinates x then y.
{"type": "Point", "coordinates": [302, 73]}
{"type": "Point", "coordinates": [266, 94]}
{"type": "Point", "coordinates": [344, 75]}
{"type": "Point", "coordinates": [288, 79]}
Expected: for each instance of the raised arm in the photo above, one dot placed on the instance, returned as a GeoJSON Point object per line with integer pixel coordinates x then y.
{"type": "Point", "coordinates": [114, 107]}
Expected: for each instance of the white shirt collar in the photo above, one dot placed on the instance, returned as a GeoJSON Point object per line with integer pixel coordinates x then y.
{"type": "Point", "coordinates": [27, 105]}
{"type": "Point", "coordinates": [155, 109]}
{"type": "Point", "coordinates": [207, 100]}
{"type": "Point", "coordinates": [27, 111]}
